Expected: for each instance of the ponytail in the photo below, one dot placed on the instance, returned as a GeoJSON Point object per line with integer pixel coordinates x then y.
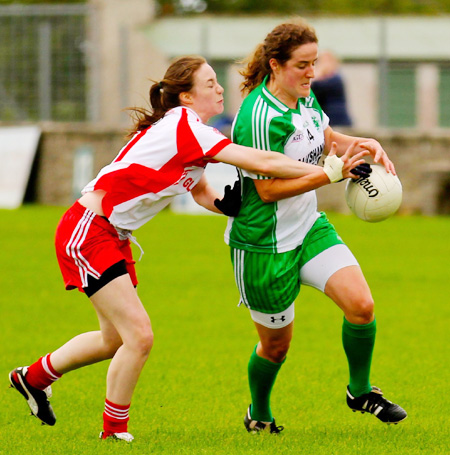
{"type": "Point", "coordinates": [165, 94]}
{"type": "Point", "coordinates": [257, 68]}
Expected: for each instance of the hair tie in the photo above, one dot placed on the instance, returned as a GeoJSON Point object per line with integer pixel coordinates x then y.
{"type": "Point", "coordinates": [160, 85]}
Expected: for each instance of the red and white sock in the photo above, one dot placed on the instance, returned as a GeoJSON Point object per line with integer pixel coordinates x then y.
{"type": "Point", "coordinates": [42, 374]}
{"type": "Point", "coordinates": [115, 418]}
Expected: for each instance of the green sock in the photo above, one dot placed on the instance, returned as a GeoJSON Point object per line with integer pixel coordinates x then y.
{"type": "Point", "coordinates": [261, 377]}
{"type": "Point", "coordinates": [359, 341]}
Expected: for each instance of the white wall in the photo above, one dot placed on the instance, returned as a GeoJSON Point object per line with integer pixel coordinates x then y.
{"type": "Point", "coordinates": [351, 37]}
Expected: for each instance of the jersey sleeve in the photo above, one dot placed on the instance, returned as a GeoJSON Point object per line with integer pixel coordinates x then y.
{"type": "Point", "coordinates": [197, 141]}
{"type": "Point", "coordinates": [210, 139]}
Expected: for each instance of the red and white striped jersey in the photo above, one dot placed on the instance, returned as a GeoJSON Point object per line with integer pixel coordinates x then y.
{"type": "Point", "coordinates": [158, 163]}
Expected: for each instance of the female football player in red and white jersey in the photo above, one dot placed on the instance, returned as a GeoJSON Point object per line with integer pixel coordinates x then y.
{"type": "Point", "coordinates": [165, 156]}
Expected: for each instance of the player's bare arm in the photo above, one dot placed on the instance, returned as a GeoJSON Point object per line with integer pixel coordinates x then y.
{"type": "Point", "coordinates": [277, 189]}
{"type": "Point", "coordinates": [205, 195]}
{"type": "Point", "coordinates": [264, 163]}
{"type": "Point", "coordinates": [343, 141]}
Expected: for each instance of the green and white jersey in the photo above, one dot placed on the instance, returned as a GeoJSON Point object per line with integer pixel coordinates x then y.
{"type": "Point", "coordinates": [266, 123]}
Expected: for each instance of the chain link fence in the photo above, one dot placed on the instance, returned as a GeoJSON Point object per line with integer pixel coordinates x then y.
{"type": "Point", "coordinates": [44, 61]}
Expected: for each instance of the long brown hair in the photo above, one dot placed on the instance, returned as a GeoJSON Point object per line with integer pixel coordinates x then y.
{"type": "Point", "coordinates": [165, 94]}
{"type": "Point", "coordinates": [278, 44]}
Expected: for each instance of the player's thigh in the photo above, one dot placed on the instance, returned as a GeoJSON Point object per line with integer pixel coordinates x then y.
{"type": "Point", "coordinates": [118, 303]}
{"type": "Point", "coordinates": [323, 254]}
{"type": "Point", "coordinates": [110, 335]}
{"type": "Point", "coordinates": [348, 288]}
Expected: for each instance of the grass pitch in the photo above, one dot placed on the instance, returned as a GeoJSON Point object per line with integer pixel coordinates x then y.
{"type": "Point", "coordinates": [193, 393]}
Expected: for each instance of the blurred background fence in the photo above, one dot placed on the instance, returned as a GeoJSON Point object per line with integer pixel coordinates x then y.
{"type": "Point", "coordinates": [44, 63]}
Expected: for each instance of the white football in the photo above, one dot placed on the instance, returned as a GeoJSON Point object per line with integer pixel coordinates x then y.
{"type": "Point", "coordinates": [375, 198]}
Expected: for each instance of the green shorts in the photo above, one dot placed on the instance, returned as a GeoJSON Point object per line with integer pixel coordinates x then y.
{"type": "Point", "coordinates": [269, 283]}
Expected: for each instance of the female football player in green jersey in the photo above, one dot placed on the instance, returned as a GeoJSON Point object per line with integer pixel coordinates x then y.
{"type": "Point", "coordinates": [279, 240]}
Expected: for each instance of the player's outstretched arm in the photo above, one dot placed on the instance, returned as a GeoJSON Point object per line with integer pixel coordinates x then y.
{"type": "Point", "coordinates": [270, 164]}
{"type": "Point", "coordinates": [334, 170]}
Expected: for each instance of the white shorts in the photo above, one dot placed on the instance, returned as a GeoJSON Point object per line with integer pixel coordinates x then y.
{"type": "Point", "coordinates": [274, 321]}
{"type": "Point", "coordinates": [318, 270]}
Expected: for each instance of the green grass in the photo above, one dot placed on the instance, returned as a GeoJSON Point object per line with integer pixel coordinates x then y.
{"type": "Point", "coordinates": [193, 393]}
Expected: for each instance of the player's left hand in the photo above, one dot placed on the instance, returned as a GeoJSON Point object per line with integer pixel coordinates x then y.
{"type": "Point", "coordinates": [378, 154]}
{"type": "Point", "coordinates": [362, 170]}
{"type": "Point", "coordinates": [231, 202]}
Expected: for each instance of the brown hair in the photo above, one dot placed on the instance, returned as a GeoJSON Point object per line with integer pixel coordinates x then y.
{"type": "Point", "coordinates": [165, 95]}
{"type": "Point", "coordinates": [278, 44]}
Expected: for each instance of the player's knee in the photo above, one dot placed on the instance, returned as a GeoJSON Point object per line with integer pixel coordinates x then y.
{"type": "Point", "coordinates": [277, 351]}
{"type": "Point", "coordinates": [144, 341]}
{"type": "Point", "coordinates": [111, 347]}
{"type": "Point", "coordinates": [363, 311]}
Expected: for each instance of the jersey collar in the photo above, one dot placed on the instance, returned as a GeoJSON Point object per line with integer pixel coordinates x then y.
{"type": "Point", "coordinates": [188, 109]}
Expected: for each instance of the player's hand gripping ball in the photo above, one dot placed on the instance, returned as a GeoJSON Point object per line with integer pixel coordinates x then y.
{"type": "Point", "coordinates": [375, 197]}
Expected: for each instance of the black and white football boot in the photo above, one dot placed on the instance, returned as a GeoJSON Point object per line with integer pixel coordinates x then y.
{"type": "Point", "coordinates": [375, 403]}
{"type": "Point", "coordinates": [255, 426]}
{"type": "Point", "coordinates": [37, 399]}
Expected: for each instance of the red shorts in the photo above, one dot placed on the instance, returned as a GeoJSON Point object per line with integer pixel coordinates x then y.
{"type": "Point", "coordinates": [87, 244]}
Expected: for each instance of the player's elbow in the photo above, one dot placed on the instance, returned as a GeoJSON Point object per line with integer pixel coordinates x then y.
{"type": "Point", "coordinates": [267, 197]}
{"type": "Point", "coordinates": [265, 168]}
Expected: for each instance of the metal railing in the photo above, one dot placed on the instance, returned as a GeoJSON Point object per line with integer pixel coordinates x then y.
{"type": "Point", "coordinates": [44, 63]}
